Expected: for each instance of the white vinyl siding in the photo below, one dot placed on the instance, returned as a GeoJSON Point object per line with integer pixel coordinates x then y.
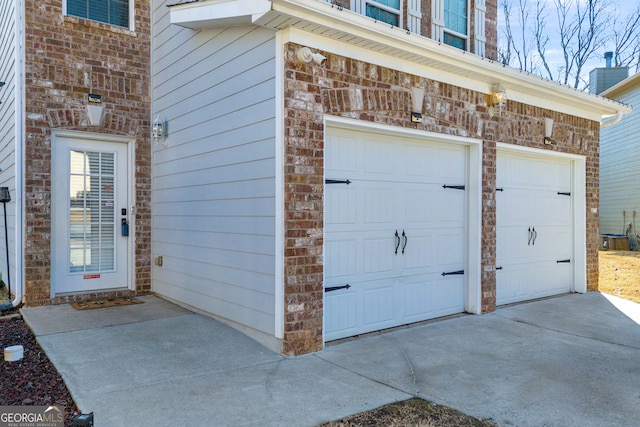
{"type": "Point", "coordinates": [620, 169]}
{"type": "Point", "coordinates": [8, 128]}
{"type": "Point", "coordinates": [214, 176]}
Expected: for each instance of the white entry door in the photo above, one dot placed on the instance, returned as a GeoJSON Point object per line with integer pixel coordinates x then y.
{"type": "Point", "coordinates": [534, 253]}
{"type": "Point", "coordinates": [394, 234]}
{"type": "Point", "coordinates": [90, 215]}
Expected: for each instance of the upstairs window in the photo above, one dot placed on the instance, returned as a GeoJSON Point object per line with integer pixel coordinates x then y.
{"type": "Point", "coordinates": [114, 12]}
{"type": "Point", "coordinates": [455, 23]}
{"type": "Point", "coordinates": [382, 10]}
{"type": "Point", "coordinates": [451, 22]}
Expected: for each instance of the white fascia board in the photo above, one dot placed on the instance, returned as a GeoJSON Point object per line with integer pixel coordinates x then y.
{"type": "Point", "coordinates": [218, 13]}
{"type": "Point", "coordinates": [394, 46]}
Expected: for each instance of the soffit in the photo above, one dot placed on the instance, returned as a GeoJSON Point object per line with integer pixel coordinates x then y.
{"type": "Point", "coordinates": [393, 46]}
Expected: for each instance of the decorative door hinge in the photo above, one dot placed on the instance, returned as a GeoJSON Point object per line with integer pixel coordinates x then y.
{"type": "Point", "coordinates": [336, 288]}
{"type": "Point", "coordinates": [337, 181]}
{"type": "Point", "coordinates": [451, 273]}
{"type": "Point", "coordinates": [454, 187]}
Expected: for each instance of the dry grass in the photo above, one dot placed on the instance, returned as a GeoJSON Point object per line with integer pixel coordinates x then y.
{"type": "Point", "coordinates": [619, 274]}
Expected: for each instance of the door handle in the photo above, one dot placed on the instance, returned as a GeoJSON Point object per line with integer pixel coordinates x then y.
{"type": "Point", "coordinates": [404, 245]}
{"type": "Point", "coordinates": [530, 236]}
{"type": "Point", "coordinates": [397, 241]}
{"type": "Point", "coordinates": [535, 235]}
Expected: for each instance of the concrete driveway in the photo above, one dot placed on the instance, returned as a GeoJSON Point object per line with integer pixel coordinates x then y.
{"type": "Point", "coordinates": [567, 361]}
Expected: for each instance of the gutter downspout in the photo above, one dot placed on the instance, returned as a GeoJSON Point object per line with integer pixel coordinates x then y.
{"type": "Point", "coordinates": [612, 120]}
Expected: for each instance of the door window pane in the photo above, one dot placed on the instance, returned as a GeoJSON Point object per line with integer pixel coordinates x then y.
{"type": "Point", "coordinates": [92, 227]}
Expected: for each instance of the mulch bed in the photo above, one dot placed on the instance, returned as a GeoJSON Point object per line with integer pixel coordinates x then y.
{"type": "Point", "coordinates": [33, 380]}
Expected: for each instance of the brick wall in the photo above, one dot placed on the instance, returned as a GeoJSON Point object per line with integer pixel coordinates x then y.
{"type": "Point", "coordinates": [67, 58]}
{"type": "Point", "coordinates": [349, 88]}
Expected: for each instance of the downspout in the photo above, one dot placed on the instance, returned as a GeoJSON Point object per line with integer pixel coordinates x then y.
{"type": "Point", "coordinates": [611, 120]}
{"type": "Point", "coordinates": [19, 159]}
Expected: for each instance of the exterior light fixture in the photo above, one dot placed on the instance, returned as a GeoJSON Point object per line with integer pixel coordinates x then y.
{"type": "Point", "coordinates": [158, 130]}
{"type": "Point", "coordinates": [497, 100]}
{"type": "Point", "coordinates": [95, 110]}
{"type": "Point", "coordinates": [417, 98]}
{"type": "Point", "coordinates": [548, 130]}
{"type": "Point", "coordinates": [305, 56]}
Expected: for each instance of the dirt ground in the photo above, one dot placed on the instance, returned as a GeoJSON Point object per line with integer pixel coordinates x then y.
{"type": "Point", "coordinates": [620, 274]}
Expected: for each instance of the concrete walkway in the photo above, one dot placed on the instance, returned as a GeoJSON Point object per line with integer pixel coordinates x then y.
{"type": "Point", "coordinates": [567, 361]}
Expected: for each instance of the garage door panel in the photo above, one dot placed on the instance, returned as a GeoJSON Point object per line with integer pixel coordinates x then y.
{"type": "Point", "coordinates": [340, 258]}
{"type": "Point", "coordinates": [377, 255]}
{"type": "Point", "coordinates": [534, 227]}
{"type": "Point", "coordinates": [435, 163]}
{"type": "Point", "coordinates": [343, 156]}
{"type": "Point", "coordinates": [341, 206]}
{"type": "Point", "coordinates": [380, 307]}
{"type": "Point", "coordinates": [380, 206]}
{"type": "Point", "coordinates": [396, 186]}
{"type": "Point", "coordinates": [340, 315]}
{"type": "Point", "coordinates": [449, 243]}
{"type": "Point", "coordinates": [420, 251]}
{"type": "Point", "coordinates": [379, 159]}
{"type": "Point", "coordinates": [533, 174]}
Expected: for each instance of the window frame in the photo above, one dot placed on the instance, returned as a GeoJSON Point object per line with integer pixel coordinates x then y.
{"type": "Point", "coordinates": [446, 30]}
{"type": "Point", "coordinates": [360, 6]}
{"type": "Point", "coordinates": [131, 5]}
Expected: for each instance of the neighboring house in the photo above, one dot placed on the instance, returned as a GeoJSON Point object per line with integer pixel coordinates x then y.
{"type": "Point", "coordinates": [620, 165]}
{"type": "Point", "coordinates": [299, 198]}
{"type": "Point", "coordinates": [75, 154]}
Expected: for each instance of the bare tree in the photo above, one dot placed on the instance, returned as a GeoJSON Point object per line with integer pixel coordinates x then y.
{"type": "Point", "coordinates": [626, 36]}
{"type": "Point", "coordinates": [581, 31]}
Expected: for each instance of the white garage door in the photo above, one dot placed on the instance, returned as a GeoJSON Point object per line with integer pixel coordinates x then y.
{"type": "Point", "coordinates": [534, 228]}
{"type": "Point", "coordinates": [394, 235]}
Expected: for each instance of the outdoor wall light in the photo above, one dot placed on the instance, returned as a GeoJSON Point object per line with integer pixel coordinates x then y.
{"type": "Point", "coordinates": [95, 114]}
{"type": "Point", "coordinates": [417, 99]}
{"type": "Point", "coordinates": [497, 100]}
{"type": "Point", "coordinates": [548, 130]}
{"type": "Point", "coordinates": [158, 130]}
{"type": "Point", "coordinates": [305, 56]}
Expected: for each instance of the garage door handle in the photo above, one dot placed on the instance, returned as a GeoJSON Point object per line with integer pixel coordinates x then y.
{"type": "Point", "coordinates": [404, 245]}
{"type": "Point", "coordinates": [533, 235]}
{"type": "Point", "coordinates": [397, 241]}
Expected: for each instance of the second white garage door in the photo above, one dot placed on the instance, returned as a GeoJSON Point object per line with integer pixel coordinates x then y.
{"type": "Point", "coordinates": [534, 255]}
{"type": "Point", "coordinates": [394, 232]}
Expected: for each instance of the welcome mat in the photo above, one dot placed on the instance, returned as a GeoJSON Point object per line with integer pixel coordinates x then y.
{"type": "Point", "coordinates": [112, 302]}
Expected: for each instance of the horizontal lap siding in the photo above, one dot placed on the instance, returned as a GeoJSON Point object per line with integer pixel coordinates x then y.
{"type": "Point", "coordinates": [619, 170]}
{"type": "Point", "coordinates": [8, 128]}
{"type": "Point", "coordinates": [214, 181]}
